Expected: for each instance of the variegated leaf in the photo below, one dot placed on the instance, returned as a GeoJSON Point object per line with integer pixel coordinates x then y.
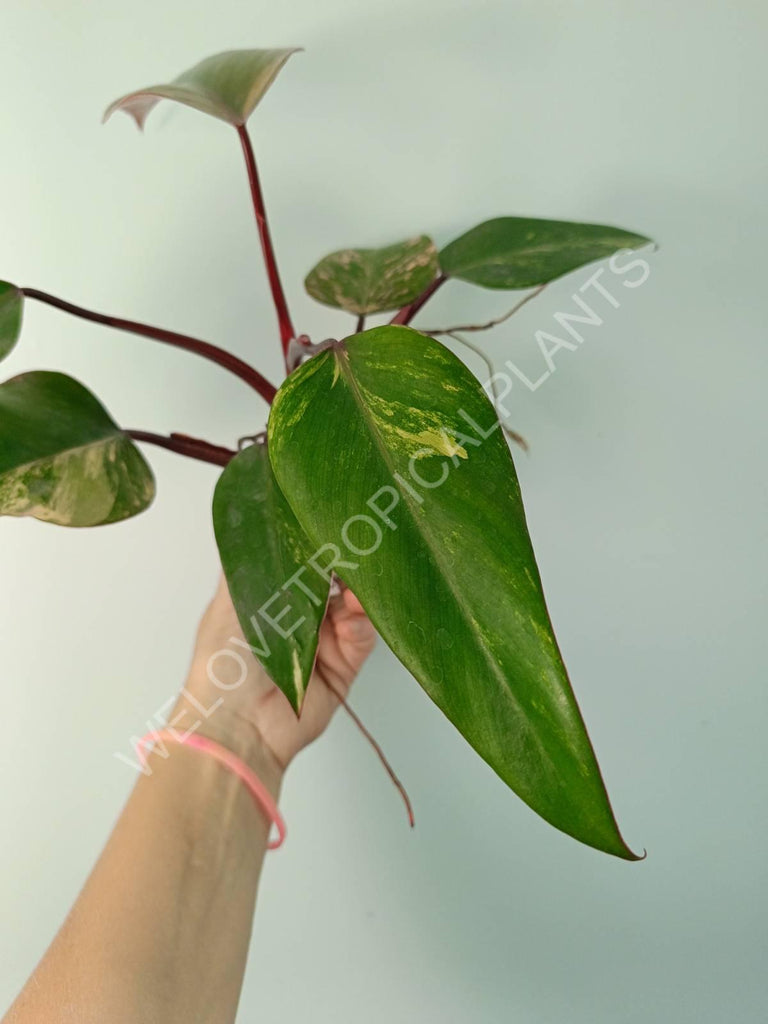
{"type": "Point", "coordinates": [374, 280]}
{"type": "Point", "coordinates": [227, 86]}
{"type": "Point", "coordinates": [389, 452]}
{"type": "Point", "coordinates": [279, 598]}
{"type": "Point", "coordinates": [521, 252]}
{"type": "Point", "coordinates": [62, 458]}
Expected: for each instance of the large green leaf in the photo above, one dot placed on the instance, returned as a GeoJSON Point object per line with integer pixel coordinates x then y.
{"type": "Point", "coordinates": [520, 252]}
{"type": "Point", "coordinates": [62, 459]}
{"type": "Point", "coordinates": [374, 280]}
{"type": "Point", "coordinates": [11, 307]}
{"type": "Point", "coordinates": [378, 445]}
{"type": "Point", "coordinates": [279, 598]}
{"type": "Point", "coordinates": [227, 86]}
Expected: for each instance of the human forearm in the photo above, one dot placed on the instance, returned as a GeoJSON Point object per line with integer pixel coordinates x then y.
{"type": "Point", "coordinates": [160, 932]}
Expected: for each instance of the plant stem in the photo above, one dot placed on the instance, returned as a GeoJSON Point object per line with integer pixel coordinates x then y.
{"type": "Point", "coordinates": [407, 313]}
{"type": "Point", "coordinates": [183, 444]}
{"type": "Point", "coordinates": [278, 296]}
{"type": "Point", "coordinates": [360, 325]}
{"type": "Point", "coordinates": [201, 348]}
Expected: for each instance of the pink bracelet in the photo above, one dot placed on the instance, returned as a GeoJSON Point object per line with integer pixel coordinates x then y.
{"type": "Point", "coordinates": [258, 790]}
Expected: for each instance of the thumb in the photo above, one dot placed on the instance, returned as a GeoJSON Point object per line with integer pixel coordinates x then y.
{"type": "Point", "coordinates": [354, 631]}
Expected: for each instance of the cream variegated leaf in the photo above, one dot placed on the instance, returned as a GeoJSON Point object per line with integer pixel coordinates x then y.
{"type": "Point", "coordinates": [63, 459]}
{"type": "Point", "coordinates": [365, 281]}
{"type": "Point", "coordinates": [388, 449]}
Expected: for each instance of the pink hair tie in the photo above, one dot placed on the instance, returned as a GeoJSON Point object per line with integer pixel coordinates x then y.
{"type": "Point", "coordinates": [258, 790]}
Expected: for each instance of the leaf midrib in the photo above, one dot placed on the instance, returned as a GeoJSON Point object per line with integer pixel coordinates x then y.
{"type": "Point", "coordinates": [513, 256]}
{"type": "Point", "coordinates": [342, 355]}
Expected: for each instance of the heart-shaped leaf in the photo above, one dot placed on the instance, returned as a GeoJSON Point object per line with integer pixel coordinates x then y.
{"type": "Point", "coordinates": [520, 252]}
{"type": "Point", "coordinates": [374, 280]}
{"type": "Point", "coordinates": [62, 459]}
{"type": "Point", "coordinates": [11, 307]}
{"type": "Point", "coordinates": [387, 448]}
{"type": "Point", "coordinates": [279, 597]}
{"type": "Point", "coordinates": [227, 86]}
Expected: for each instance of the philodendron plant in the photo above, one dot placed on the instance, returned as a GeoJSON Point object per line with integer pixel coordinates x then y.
{"type": "Point", "coordinates": [383, 467]}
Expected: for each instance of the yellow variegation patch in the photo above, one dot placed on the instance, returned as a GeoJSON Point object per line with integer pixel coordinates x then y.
{"type": "Point", "coordinates": [62, 458]}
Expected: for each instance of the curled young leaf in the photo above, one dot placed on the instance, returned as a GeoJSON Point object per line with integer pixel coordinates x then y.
{"type": "Point", "coordinates": [280, 599]}
{"type": "Point", "coordinates": [11, 308]}
{"type": "Point", "coordinates": [390, 454]}
{"type": "Point", "coordinates": [62, 458]}
{"type": "Point", "coordinates": [227, 86]}
{"type": "Point", "coordinates": [374, 280]}
{"type": "Point", "coordinates": [521, 252]}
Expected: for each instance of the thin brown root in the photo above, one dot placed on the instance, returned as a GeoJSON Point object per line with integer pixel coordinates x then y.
{"type": "Point", "coordinates": [511, 434]}
{"type": "Point", "coordinates": [517, 438]}
{"type": "Point", "coordinates": [489, 323]}
{"type": "Point", "coordinates": [380, 753]}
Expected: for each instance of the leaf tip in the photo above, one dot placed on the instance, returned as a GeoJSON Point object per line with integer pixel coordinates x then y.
{"type": "Point", "coordinates": [618, 847]}
{"type": "Point", "coordinates": [631, 856]}
{"type": "Point", "coordinates": [135, 105]}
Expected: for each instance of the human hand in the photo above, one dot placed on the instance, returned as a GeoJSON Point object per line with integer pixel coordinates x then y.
{"type": "Point", "coordinates": [255, 712]}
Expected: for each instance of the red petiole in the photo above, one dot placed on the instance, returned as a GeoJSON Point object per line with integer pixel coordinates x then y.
{"type": "Point", "coordinates": [201, 348]}
{"type": "Point", "coordinates": [278, 296]}
{"type": "Point", "coordinates": [183, 444]}
{"type": "Point", "coordinates": [407, 313]}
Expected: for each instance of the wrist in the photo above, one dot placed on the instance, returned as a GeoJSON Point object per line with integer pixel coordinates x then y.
{"type": "Point", "coordinates": [231, 730]}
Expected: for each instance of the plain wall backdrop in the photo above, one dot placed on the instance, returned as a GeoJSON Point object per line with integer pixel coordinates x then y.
{"type": "Point", "coordinates": [645, 484]}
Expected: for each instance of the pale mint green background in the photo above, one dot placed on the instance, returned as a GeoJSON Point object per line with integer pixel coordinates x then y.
{"type": "Point", "coordinates": [645, 485]}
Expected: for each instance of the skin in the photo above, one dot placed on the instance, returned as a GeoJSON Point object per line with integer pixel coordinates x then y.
{"type": "Point", "coordinates": [160, 932]}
